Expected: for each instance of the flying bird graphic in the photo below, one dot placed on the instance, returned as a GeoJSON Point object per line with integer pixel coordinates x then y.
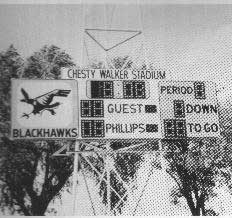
{"type": "Point", "coordinates": [43, 103]}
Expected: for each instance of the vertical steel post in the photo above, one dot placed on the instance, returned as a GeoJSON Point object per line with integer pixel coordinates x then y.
{"type": "Point", "coordinates": [108, 178]}
{"type": "Point", "coordinates": [162, 159]}
{"type": "Point", "coordinates": [144, 52]}
{"type": "Point", "coordinates": [75, 177]}
{"type": "Point", "coordinates": [83, 34]}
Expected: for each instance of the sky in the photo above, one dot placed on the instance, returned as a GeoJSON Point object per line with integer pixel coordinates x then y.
{"type": "Point", "coordinates": [189, 41]}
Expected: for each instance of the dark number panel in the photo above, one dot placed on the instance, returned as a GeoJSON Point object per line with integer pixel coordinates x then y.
{"type": "Point", "coordinates": [175, 128]}
{"type": "Point", "coordinates": [131, 89]}
{"type": "Point", "coordinates": [134, 90]}
{"type": "Point", "coordinates": [102, 89]}
{"type": "Point", "coordinates": [199, 90]}
{"type": "Point", "coordinates": [179, 111]}
{"type": "Point", "coordinates": [92, 128]}
{"type": "Point", "coordinates": [92, 108]}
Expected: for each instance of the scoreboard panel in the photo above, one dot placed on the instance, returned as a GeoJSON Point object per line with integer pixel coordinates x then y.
{"type": "Point", "coordinates": [137, 104]}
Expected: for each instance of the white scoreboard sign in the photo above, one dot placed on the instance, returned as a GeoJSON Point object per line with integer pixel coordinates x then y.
{"type": "Point", "coordinates": [44, 109]}
{"type": "Point", "coordinates": [117, 104]}
{"type": "Point", "coordinates": [189, 109]}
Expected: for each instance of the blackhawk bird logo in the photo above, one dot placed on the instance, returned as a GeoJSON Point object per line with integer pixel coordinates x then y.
{"type": "Point", "coordinates": [43, 103]}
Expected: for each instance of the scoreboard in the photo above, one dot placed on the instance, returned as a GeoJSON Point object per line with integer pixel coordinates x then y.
{"type": "Point", "coordinates": [116, 104]}
{"type": "Point", "coordinates": [113, 104]}
{"type": "Point", "coordinates": [141, 104]}
{"type": "Point", "coordinates": [189, 109]}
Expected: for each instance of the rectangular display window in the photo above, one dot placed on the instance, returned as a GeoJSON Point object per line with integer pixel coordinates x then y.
{"type": "Point", "coordinates": [92, 108]}
{"type": "Point", "coordinates": [92, 128]}
{"type": "Point", "coordinates": [179, 111]}
{"type": "Point", "coordinates": [175, 128]}
{"type": "Point", "coordinates": [102, 89]}
{"type": "Point", "coordinates": [134, 89]}
{"type": "Point", "coordinates": [199, 90]}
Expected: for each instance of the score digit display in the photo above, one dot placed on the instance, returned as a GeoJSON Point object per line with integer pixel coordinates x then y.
{"type": "Point", "coordinates": [117, 89]}
{"type": "Point", "coordinates": [92, 108]}
{"type": "Point", "coordinates": [101, 89]}
{"type": "Point", "coordinates": [134, 90]}
{"type": "Point", "coordinates": [92, 128]}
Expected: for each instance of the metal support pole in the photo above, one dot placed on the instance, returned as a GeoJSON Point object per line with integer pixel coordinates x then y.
{"type": "Point", "coordinates": [144, 52]}
{"type": "Point", "coordinates": [162, 159]}
{"type": "Point", "coordinates": [75, 171]}
{"type": "Point", "coordinates": [83, 33]}
{"type": "Point", "coordinates": [108, 189]}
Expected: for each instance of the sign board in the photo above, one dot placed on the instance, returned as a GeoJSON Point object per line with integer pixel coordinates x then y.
{"type": "Point", "coordinates": [44, 109]}
{"type": "Point", "coordinates": [188, 109]}
{"type": "Point", "coordinates": [117, 104]}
